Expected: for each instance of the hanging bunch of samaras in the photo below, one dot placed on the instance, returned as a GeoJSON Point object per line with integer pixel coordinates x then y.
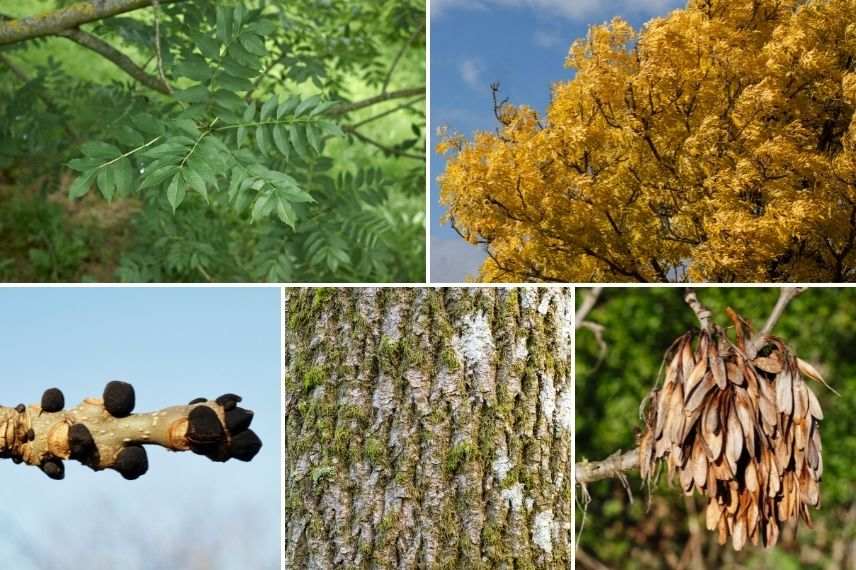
{"type": "Point", "coordinates": [737, 422]}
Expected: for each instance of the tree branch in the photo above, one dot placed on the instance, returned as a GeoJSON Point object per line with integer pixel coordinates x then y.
{"type": "Point", "coordinates": [590, 300]}
{"type": "Point", "coordinates": [119, 59]}
{"type": "Point", "coordinates": [345, 108]}
{"type": "Point", "coordinates": [102, 433]}
{"type": "Point", "coordinates": [611, 467]}
{"type": "Point", "coordinates": [405, 105]}
{"type": "Point", "coordinates": [58, 21]}
{"type": "Point", "coordinates": [158, 54]}
{"type": "Point", "coordinates": [388, 149]}
{"type": "Point", "coordinates": [398, 56]}
{"type": "Point", "coordinates": [701, 312]}
{"type": "Point", "coordinates": [786, 295]}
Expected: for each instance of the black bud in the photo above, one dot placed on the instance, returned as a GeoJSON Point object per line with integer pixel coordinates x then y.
{"type": "Point", "coordinates": [17, 460]}
{"type": "Point", "coordinates": [204, 426]}
{"type": "Point", "coordinates": [132, 462]}
{"type": "Point", "coordinates": [245, 445]}
{"type": "Point", "coordinates": [196, 401]}
{"type": "Point", "coordinates": [53, 400]}
{"type": "Point", "coordinates": [31, 435]}
{"type": "Point", "coordinates": [53, 468]}
{"type": "Point", "coordinates": [80, 442]}
{"type": "Point", "coordinates": [20, 408]}
{"type": "Point", "coordinates": [228, 401]}
{"type": "Point", "coordinates": [238, 419]}
{"type": "Point", "coordinates": [119, 398]}
{"type": "Point", "coordinates": [214, 451]}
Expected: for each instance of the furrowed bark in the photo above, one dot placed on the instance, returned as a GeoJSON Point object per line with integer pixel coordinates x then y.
{"type": "Point", "coordinates": [428, 428]}
{"type": "Point", "coordinates": [57, 21]}
{"type": "Point", "coordinates": [99, 432]}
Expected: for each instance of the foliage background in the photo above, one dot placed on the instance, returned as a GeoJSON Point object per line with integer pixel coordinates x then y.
{"type": "Point", "coordinates": [640, 324]}
{"type": "Point", "coordinates": [369, 230]}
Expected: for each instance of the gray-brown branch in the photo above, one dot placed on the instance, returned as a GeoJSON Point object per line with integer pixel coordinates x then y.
{"type": "Point", "coordinates": [58, 21]}
{"type": "Point", "coordinates": [609, 468]}
{"type": "Point", "coordinates": [705, 317]}
{"type": "Point", "coordinates": [345, 108]}
{"type": "Point", "coordinates": [385, 148]}
{"type": "Point", "coordinates": [786, 295]}
{"type": "Point", "coordinates": [102, 433]}
{"type": "Point", "coordinates": [118, 58]}
{"type": "Point", "coordinates": [589, 301]}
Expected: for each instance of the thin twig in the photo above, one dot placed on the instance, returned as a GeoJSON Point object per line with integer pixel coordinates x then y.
{"type": "Point", "coordinates": [786, 295]}
{"type": "Point", "coordinates": [702, 313]}
{"type": "Point", "coordinates": [162, 75]}
{"type": "Point", "coordinates": [387, 112]}
{"type": "Point", "coordinates": [116, 57]}
{"type": "Point", "coordinates": [613, 466]}
{"type": "Point", "coordinates": [398, 56]}
{"type": "Point", "coordinates": [345, 108]}
{"type": "Point", "coordinates": [388, 149]}
{"type": "Point", "coordinates": [589, 301]}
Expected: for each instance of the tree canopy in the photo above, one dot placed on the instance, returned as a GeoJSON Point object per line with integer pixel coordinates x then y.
{"type": "Point", "coordinates": [248, 140]}
{"type": "Point", "coordinates": [716, 144]}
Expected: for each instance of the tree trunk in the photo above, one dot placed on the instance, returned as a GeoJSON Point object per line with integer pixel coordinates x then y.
{"type": "Point", "coordinates": [428, 428]}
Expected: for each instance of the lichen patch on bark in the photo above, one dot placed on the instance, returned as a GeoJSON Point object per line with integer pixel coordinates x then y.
{"type": "Point", "coordinates": [435, 434]}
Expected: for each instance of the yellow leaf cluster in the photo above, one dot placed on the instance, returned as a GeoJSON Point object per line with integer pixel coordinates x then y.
{"type": "Point", "coordinates": [716, 144]}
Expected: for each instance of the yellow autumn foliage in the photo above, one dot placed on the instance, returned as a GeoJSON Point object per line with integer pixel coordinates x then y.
{"type": "Point", "coordinates": [716, 144]}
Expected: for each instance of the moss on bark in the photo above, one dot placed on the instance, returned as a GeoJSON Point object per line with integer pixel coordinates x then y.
{"type": "Point", "coordinates": [435, 437]}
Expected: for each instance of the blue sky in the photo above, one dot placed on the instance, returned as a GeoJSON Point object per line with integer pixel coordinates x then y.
{"type": "Point", "coordinates": [523, 45]}
{"type": "Point", "coordinates": [173, 345]}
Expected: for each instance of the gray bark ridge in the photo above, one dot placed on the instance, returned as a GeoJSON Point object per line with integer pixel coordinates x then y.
{"type": "Point", "coordinates": [428, 428]}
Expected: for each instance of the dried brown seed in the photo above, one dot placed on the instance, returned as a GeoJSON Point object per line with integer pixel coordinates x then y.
{"type": "Point", "coordinates": [770, 364]}
{"type": "Point", "coordinates": [733, 441]}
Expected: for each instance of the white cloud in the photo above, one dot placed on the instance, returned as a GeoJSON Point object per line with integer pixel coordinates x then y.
{"type": "Point", "coordinates": [547, 38]}
{"type": "Point", "coordinates": [571, 9]}
{"type": "Point", "coordinates": [470, 70]}
{"type": "Point", "coordinates": [453, 260]}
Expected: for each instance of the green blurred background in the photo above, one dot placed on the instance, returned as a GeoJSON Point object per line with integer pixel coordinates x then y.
{"type": "Point", "coordinates": [639, 325]}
